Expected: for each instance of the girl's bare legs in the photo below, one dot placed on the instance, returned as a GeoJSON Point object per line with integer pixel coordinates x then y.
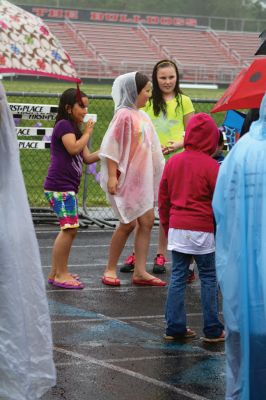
{"type": "Point", "coordinates": [142, 241]}
{"type": "Point", "coordinates": [117, 245]}
{"type": "Point", "coordinates": [161, 249]}
{"type": "Point", "coordinates": [60, 256]}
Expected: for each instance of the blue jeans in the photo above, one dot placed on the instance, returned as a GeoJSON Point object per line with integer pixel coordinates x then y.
{"type": "Point", "coordinates": [175, 304]}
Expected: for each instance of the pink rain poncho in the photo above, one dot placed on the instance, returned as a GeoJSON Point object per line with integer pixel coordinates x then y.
{"type": "Point", "coordinates": [132, 142]}
{"type": "Point", "coordinates": [26, 353]}
{"type": "Point", "coordinates": [239, 205]}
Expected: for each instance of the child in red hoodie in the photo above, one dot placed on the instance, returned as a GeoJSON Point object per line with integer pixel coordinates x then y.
{"type": "Point", "coordinates": [185, 209]}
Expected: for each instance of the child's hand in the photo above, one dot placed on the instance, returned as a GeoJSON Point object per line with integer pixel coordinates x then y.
{"type": "Point", "coordinates": [112, 184]}
{"type": "Point", "coordinates": [88, 127]}
{"type": "Point", "coordinates": [165, 150]}
{"type": "Point", "coordinates": [174, 146]}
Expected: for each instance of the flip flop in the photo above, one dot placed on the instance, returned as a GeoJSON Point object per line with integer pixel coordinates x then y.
{"type": "Point", "coordinates": [188, 334]}
{"type": "Point", "coordinates": [75, 276]}
{"type": "Point", "coordinates": [218, 339]}
{"type": "Point", "coordinates": [149, 282]}
{"type": "Point", "coordinates": [68, 285]}
{"type": "Point", "coordinates": [108, 280]}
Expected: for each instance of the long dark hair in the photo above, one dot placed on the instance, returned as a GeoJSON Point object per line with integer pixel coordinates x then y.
{"type": "Point", "coordinates": [141, 81]}
{"type": "Point", "coordinates": [68, 98]}
{"type": "Point", "coordinates": [158, 101]}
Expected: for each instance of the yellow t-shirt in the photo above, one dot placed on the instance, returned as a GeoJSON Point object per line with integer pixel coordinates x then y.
{"type": "Point", "coordinates": [171, 126]}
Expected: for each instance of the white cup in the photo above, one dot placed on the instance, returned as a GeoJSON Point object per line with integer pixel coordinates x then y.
{"type": "Point", "coordinates": [90, 116]}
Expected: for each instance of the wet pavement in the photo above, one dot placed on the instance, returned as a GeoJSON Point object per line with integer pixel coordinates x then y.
{"type": "Point", "coordinates": [108, 341]}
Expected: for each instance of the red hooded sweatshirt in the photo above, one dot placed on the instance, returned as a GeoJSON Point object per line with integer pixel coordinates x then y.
{"type": "Point", "coordinates": [189, 178]}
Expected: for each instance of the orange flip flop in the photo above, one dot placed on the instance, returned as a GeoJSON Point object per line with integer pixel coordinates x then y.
{"type": "Point", "coordinates": [108, 280]}
{"type": "Point", "coordinates": [149, 282]}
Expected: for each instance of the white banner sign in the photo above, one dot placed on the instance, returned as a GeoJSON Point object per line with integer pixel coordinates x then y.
{"type": "Point", "coordinates": [18, 108]}
{"type": "Point", "coordinates": [34, 117]}
{"type": "Point", "coordinates": [27, 131]}
{"type": "Point", "coordinates": [33, 144]}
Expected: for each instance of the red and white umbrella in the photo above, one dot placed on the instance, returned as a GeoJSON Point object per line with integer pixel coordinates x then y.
{"type": "Point", "coordinates": [28, 47]}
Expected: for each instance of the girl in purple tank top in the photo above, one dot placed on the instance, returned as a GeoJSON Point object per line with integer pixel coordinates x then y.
{"type": "Point", "coordinates": [68, 152]}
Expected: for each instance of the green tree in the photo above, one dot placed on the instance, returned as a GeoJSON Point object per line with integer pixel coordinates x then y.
{"type": "Point", "coordinates": [217, 8]}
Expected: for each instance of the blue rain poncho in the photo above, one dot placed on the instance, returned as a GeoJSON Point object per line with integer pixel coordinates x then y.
{"type": "Point", "coordinates": [26, 360]}
{"type": "Point", "coordinates": [240, 211]}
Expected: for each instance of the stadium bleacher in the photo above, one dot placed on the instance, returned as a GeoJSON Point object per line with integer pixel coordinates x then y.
{"type": "Point", "coordinates": [202, 55]}
{"type": "Point", "coordinates": [245, 43]}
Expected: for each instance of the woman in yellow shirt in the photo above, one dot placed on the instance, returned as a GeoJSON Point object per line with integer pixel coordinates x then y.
{"type": "Point", "coordinates": [170, 111]}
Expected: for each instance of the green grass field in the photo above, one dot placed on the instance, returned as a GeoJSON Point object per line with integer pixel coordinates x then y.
{"type": "Point", "coordinates": [35, 162]}
{"type": "Point", "coordinates": [56, 86]}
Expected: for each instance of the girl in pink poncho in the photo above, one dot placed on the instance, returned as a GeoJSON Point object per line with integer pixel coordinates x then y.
{"type": "Point", "coordinates": [131, 168]}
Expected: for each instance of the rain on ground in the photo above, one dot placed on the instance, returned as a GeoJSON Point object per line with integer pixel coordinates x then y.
{"type": "Point", "coordinates": [108, 341]}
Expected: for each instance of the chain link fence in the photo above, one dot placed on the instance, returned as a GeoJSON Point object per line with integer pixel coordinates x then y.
{"type": "Point", "coordinates": [35, 157]}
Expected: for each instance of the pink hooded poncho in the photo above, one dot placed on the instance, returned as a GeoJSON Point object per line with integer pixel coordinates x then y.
{"type": "Point", "coordinates": [132, 142]}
